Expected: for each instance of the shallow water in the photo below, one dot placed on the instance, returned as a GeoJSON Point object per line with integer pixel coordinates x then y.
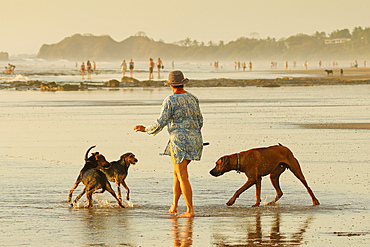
{"type": "Point", "coordinates": [64, 71]}
{"type": "Point", "coordinates": [44, 137]}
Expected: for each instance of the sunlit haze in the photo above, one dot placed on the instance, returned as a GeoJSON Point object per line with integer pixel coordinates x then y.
{"type": "Point", "coordinates": [26, 25]}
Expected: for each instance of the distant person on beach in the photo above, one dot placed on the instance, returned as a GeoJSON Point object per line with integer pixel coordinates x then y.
{"type": "Point", "coordinates": [341, 72]}
{"type": "Point", "coordinates": [173, 65]}
{"type": "Point", "coordinates": [123, 67]}
{"type": "Point", "coordinates": [183, 118]}
{"type": "Point", "coordinates": [82, 69]}
{"type": "Point", "coordinates": [151, 68]}
{"type": "Point", "coordinates": [94, 64]}
{"type": "Point", "coordinates": [131, 65]}
{"type": "Point", "coordinates": [235, 65]}
{"type": "Point", "coordinates": [159, 66]}
{"type": "Point", "coordinates": [365, 64]}
{"type": "Point", "coordinates": [250, 65]}
{"type": "Point", "coordinates": [355, 64]}
{"type": "Point", "coordinates": [305, 65]}
{"type": "Point", "coordinates": [286, 65]}
{"type": "Point", "coordinates": [320, 63]}
{"type": "Point", "coordinates": [11, 68]}
{"type": "Point", "coordinates": [244, 66]}
{"type": "Point", "coordinates": [89, 69]}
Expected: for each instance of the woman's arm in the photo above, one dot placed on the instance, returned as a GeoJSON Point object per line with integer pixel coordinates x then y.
{"type": "Point", "coordinates": [160, 123]}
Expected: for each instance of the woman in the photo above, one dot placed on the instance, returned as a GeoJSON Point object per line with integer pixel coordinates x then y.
{"type": "Point", "coordinates": [123, 67]}
{"type": "Point", "coordinates": [181, 114]}
{"type": "Point", "coordinates": [82, 69]}
{"type": "Point", "coordinates": [89, 69]}
{"type": "Point", "coordinates": [131, 64]}
{"type": "Point", "coordinates": [151, 68]}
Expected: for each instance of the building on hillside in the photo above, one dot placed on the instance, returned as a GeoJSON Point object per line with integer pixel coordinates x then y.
{"type": "Point", "coordinates": [336, 41]}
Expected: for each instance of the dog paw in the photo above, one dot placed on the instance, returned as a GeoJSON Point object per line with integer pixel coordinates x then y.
{"type": "Point", "coordinates": [230, 202]}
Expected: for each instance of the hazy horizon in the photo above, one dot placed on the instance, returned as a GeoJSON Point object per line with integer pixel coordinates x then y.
{"type": "Point", "coordinates": [30, 24]}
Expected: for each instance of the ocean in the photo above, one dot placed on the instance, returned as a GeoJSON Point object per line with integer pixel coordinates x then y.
{"type": "Point", "coordinates": [63, 71]}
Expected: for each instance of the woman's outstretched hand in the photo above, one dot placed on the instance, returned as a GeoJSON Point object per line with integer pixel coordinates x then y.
{"type": "Point", "coordinates": [139, 128]}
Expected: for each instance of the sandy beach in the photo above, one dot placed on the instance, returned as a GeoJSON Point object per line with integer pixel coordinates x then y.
{"type": "Point", "coordinates": [46, 135]}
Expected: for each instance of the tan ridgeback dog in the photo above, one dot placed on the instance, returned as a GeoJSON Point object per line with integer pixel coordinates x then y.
{"type": "Point", "coordinates": [259, 162]}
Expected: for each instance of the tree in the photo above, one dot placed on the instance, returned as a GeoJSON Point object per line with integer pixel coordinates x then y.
{"type": "Point", "coordinates": [141, 34]}
{"type": "Point", "coordinates": [344, 33]}
{"type": "Point", "coordinates": [320, 35]}
{"type": "Point", "coordinates": [187, 41]}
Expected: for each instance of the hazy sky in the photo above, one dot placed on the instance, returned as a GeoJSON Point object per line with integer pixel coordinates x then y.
{"type": "Point", "coordinates": [27, 24]}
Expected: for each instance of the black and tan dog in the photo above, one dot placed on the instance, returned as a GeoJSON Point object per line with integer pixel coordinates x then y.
{"type": "Point", "coordinates": [93, 178]}
{"type": "Point", "coordinates": [259, 162]}
{"type": "Point", "coordinates": [90, 162]}
{"type": "Point", "coordinates": [118, 171]}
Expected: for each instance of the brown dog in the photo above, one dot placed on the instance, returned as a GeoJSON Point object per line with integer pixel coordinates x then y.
{"type": "Point", "coordinates": [118, 171]}
{"type": "Point", "coordinates": [259, 162]}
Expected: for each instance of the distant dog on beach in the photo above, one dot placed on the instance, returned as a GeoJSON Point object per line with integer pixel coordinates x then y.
{"type": "Point", "coordinates": [259, 162]}
{"type": "Point", "coordinates": [118, 171]}
{"type": "Point", "coordinates": [329, 71]}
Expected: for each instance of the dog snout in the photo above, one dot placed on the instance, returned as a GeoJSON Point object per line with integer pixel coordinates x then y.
{"type": "Point", "coordinates": [215, 172]}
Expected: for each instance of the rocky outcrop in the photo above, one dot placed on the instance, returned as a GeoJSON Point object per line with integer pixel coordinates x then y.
{"type": "Point", "coordinates": [52, 86]}
{"type": "Point", "coordinates": [4, 56]}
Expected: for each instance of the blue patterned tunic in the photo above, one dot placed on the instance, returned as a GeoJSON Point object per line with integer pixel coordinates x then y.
{"type": "Point", "coordinates": [181, 114]}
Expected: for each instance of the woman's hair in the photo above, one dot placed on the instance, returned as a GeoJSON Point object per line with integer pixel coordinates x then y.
{"type": "Point", "coordinates": [181, 86]}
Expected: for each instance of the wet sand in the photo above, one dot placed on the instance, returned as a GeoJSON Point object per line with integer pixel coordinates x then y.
{"type": "Point", "coordinates": [338, 126]}
{"type": "Point", "coordinates": [45, 135]}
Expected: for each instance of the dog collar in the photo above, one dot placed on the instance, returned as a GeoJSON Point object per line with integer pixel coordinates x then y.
{"type": "Point", "coordinates": [238, 163]}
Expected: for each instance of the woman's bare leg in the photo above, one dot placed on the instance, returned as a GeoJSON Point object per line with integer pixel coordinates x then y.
{"type": "Point", "coordinates": [181, 170]}
{"type": "Point", "coordinates": [176, 194]}
{"type": "Point", "coordinates": [181, 185]}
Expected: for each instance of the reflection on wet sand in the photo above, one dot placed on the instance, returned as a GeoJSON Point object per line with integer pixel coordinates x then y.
{"type": "Point", "coordinates": [365, 126]}
{"type": "Point", "coordinates": [256, 233]}
{"type": "Point", "coordinates": [182, 231]}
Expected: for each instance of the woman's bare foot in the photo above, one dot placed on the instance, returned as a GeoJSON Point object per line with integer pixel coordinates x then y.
{"type": "Point", "coordinates": [173, 209]}
{"type": "Point", "coordinates": [186, 215]}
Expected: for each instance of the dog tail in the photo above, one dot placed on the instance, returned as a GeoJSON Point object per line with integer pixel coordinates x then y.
{"type": "Point", "coordinates": [87, 152]}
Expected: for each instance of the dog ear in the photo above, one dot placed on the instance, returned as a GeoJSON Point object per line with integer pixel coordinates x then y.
{"type": "Point", "coordinates": [125, 156]}
{"type": "Point", "coordinates": [226, 160]}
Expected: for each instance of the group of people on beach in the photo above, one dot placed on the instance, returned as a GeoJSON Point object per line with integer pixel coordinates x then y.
{"type": "Point", "coordinates": [9, 69]}
{"type": "Point", "coordinates": [152, 65]}
{"type": "Point", "coordinates": [123, 67]}
{"type": "Point", "coordinates": [88, 68]}
{"type": "Point", "coordinates": [238, 65]}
